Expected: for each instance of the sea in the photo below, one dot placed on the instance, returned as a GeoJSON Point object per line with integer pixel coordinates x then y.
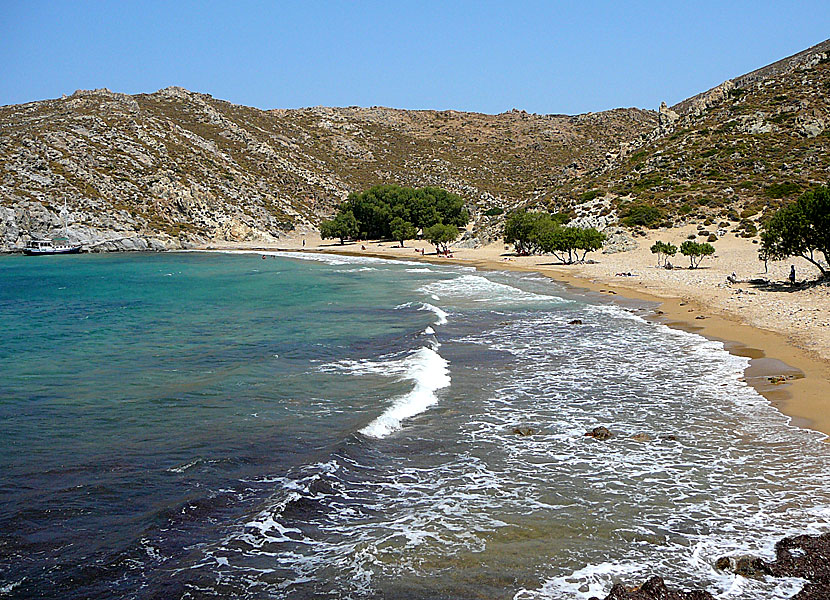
{"type": "Point", "coordinates": [246, 425]}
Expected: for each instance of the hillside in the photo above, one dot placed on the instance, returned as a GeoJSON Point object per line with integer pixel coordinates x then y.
{"type": "Point", "coordinates": [177, 168]}
{"type": "Point", "coordinates": [731, 155]}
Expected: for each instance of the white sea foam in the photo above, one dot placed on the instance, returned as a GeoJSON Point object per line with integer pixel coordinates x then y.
{"type": "Point", "coordinates": [430, 372]}
{"type": "Point", "coordinates": [475, 288]}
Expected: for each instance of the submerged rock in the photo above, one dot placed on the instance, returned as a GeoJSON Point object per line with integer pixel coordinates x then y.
{"type": "Point", "coordinates": [751, 567]}
{"type": "Point", "coordinates": [599, 433]}
{"type": "Point", "coordinates": [640, 437]}
{"type": "Point", "coordinates": [654, 589]}
{"type": "Point", "coordinates": [575, 322]}
{"type": "Point", "coordinates": [524, 431]}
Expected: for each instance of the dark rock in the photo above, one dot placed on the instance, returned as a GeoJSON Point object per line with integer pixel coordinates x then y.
{"type": "Point", "coordinates": [750, 567]}
{"type": "Point", "coordinates": [599, 433]}
{"type": "Point", "coordinates": [670, 437]}
{"type": "Point", "coordinates": [655, 589]}
{"type": "Point", "coordinates": [804, 556]}
{"type": "Point", "coordinates": [524, 431]}
{"type": "Point", "coordinates": [575, 322]}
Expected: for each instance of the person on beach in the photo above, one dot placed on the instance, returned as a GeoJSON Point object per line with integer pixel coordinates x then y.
{"type": "Point", "coordinates": [303, 242]}
{"type": "Point", "coordinates": [792, 274]}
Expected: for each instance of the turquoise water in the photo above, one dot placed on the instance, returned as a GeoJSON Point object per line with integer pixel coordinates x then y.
{"type": "Point", "coordinates": [197, 425]}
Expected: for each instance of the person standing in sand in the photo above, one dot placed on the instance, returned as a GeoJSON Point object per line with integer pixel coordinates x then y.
{"type": "Point", "coordinates": [792, 274]}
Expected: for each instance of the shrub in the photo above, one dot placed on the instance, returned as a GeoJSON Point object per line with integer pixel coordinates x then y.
{"type": "Point", "coordinates": [647, 216]}
{"type": "Point", "coordinates": [494, 212]}
{"type": "Point", "coordinates": [781, 190]}
{"type": "Point", "coordinates": [589, 195]}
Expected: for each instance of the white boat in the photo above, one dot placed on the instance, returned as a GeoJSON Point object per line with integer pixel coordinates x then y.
{"type": "Point", "coordinates": [54, 246]}
{"type": "Point", "coordinates": [60, 245]}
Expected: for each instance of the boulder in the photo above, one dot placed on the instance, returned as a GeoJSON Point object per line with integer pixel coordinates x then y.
{"type": "Point", "coordinates": [524, 431]}
{"type": "Point", "coordinates": [599, 433]}
{"type": "Point", "coordinates": [654, 589]}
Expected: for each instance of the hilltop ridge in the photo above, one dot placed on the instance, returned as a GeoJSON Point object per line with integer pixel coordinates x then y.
{"type": "Point", "coordinates": [177, 168]}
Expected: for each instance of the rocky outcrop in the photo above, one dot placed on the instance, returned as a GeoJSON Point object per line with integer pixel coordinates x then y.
{"type": "Point", "coordinates": [654, 589]}
{"type": "Point", "coordinates": [803, 556]}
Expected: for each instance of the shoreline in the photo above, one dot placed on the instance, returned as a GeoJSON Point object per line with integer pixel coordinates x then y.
{"type": "Point", "coordinates": [803, 395]}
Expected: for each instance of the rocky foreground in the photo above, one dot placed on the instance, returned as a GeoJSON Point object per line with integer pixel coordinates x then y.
{"type": "Point", "coordinates": [803, 556]}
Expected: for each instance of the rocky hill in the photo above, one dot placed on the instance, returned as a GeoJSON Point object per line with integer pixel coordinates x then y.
{"type": "Point", "coordinates": [729, 156]}
{"type": "Point", "coordinates": [176, 168]}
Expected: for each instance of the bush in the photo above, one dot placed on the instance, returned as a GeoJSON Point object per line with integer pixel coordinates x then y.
{"type": "Point", "coordinates": [494, 212]}
{"type": "Point", "coordinates": [647, 216]}
{"type": "Point", "coordinates": [782, 190]}
{"type": "Point", "coordinates": [589, 195]}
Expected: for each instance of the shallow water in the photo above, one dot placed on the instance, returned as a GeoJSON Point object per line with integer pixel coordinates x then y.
{"type": "Point", "coordinates": [204, 425]}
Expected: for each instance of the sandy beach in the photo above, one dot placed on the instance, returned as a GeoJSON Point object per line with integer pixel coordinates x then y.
{"type": "Point", "coordinates": [785, 330]}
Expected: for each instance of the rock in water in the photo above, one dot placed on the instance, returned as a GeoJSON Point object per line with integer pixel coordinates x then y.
{"type": "Point", "coordinates": [599, 433]}
{"type": "Point", "coordinates": [654, 589]}
{"type": "Point", "coordinates": [524, 431]}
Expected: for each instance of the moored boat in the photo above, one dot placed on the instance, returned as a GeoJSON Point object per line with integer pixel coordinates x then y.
{"type": "Point", "coordinates": [37, 247]}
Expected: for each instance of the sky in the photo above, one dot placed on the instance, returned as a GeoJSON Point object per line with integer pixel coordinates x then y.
{"type": "Point", "coordinates": [542, 57]}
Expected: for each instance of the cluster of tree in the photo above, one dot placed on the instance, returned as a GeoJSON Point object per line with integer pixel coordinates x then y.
{"type": "Point", "coordinates": [663, 252]}
{"type": "Point", "coordinates": [800, 229]}
{"type": "Point", "coordinates": [544, 233]}
{"type": "Point", "coordinates": [395, 212]}
{"type": "Point", "coordinates": [696, 252]}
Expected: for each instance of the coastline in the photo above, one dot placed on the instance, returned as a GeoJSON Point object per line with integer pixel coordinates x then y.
{"type": "Point", "coordinates": [803, 394]}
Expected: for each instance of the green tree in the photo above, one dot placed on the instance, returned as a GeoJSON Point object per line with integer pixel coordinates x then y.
{"type": "Point", "coordinates": [565, 243]}
{"type": "Point", "coordinates": [589, 240]}
{"type": "Point", "coordinates": [440, 236]}
{"type": "Point", "coordinates": [696, 252]}
{"type": "Point", "coordinates": [402, 230]}
{"type": "Point", "coordinates": [663, 251]}
{"type": "Point", "coordinates": [801, 229]}
{"type": "Point", "coordinates": [343, 225]}
{"type": "Point", "coordinates": [519, 229]}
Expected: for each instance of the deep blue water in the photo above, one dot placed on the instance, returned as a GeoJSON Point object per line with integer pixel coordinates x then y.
{"type": "Point", "coordinates": [198, 425]}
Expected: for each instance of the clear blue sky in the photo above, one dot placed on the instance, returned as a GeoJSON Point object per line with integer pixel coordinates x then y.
{"type": "Point", "coordinates": [544, 57]}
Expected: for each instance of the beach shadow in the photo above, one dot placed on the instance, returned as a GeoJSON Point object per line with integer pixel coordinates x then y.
{"type": "Point", "coordinates": [765, 285]}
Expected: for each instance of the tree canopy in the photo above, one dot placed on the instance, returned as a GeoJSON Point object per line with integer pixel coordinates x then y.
{"type": "Point", "coordinates": [801, 229]}
{"type": "Point", "coordinates": [663, 251]}
{"type": "Point", "coordinates": [376, 209]}
{"type": "Point", "coordinates": [696, 252]}
{"type": "Point", "coordinates": [440, 236]}
{"type": "Point", "coordinates": [538, 232]}
{"type": "Point", "coordinates": [342, 226]}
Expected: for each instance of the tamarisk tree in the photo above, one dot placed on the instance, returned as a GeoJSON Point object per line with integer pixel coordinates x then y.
{"type": "Point", "coordinates": [663, 252]}
{"type": "Point", "coordinates": [696, 252]}
{"type": "Point", "coordinates": [801, 229]}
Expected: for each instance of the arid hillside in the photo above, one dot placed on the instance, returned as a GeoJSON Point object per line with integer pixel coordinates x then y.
{"type": "Point", "coordinates": [177, 168]}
